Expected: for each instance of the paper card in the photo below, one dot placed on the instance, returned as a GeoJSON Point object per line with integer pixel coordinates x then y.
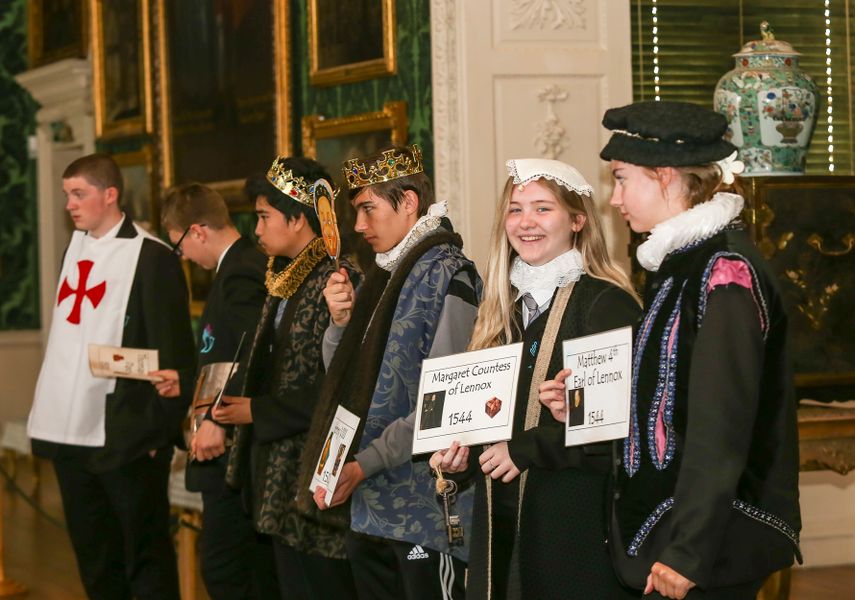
{"type": "Point", "coordinates": [467, 397]}
{"type": "Point", "coordinates": [209, 388]}
{"type": "Point", "coordinates": [130, 363]}
{"type": "Point", "coordinates": [334, 453]}
{"type": "Point", "coordinates": [598, 390]}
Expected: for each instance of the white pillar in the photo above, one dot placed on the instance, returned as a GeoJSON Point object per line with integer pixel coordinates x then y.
{"type": "Point", "coordinates": [65, 131]}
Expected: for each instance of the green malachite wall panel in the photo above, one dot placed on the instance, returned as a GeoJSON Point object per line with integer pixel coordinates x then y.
{"type": "Point", "coordinates": [412, 83]}
{"type": "Point", "coordinates": [19, 302]}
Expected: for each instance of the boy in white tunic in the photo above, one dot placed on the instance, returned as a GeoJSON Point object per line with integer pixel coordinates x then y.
{"type": "Point", "coordinates": [111, 440]}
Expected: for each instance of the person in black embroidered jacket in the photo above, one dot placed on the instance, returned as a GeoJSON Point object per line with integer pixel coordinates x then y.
{"type": "Point", "coordinates": [198, 224]}
{"type": "Point", "coordinates": [284, 370]}
{"type": "Point", "coordinates": [706, 502]}
{"type": "Point", "coordinates": [540, 510]}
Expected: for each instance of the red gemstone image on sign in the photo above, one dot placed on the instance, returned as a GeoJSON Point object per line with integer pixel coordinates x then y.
{"type": "Point", "coordinates": [94, 294]}
{"type": "Point", "coordinates": [492, 407]}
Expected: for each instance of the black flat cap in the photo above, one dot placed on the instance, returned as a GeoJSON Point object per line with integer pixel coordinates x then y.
{"type": "Point", "coordinates": [666, 134]}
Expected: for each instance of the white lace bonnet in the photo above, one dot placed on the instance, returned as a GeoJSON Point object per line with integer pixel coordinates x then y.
{"type": "Point", "coordinates": [524, 170]}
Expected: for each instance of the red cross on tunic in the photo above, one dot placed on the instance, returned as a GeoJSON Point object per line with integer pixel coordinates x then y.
{"type": "Point", "coordinates": [95, 293]}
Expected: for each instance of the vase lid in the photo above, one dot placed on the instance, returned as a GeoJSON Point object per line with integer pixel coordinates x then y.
{"type": "Point", "coordinates": [767, 45]}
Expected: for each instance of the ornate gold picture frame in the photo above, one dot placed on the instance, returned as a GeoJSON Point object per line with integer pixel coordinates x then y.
{"type": "Point", "coordinates": [139, 198]}
{"type": "Point", "coordinates": [57, 29]}
{"type": "Point", "coordinates": [121, 56]}
{"type": "Point", "coordinates": [351, 40]}
{"type": "Point", "coordinates": [332, 141]}
{"type": "Point", "coordinates": [224, 92]}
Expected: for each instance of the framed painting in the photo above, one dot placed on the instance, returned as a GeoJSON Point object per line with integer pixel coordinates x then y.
{"type": "Point", "coordinates": [342, 52]}
{"type": "Point", "coordinates": [57, 30]}
{"type": "Point", "coordinates": [199, 283]}
{"type": "Point", "coordinates": [139, 199]}
{"type": "Point", "coordinates": [224, 90]}
{"type": "Point", "coordinates": [333, 141]}
{"type": "Point", "coordinates": [121, 56]}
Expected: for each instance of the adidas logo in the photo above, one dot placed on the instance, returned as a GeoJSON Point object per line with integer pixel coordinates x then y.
{"type": "Point", "coordinates": [416, 553]}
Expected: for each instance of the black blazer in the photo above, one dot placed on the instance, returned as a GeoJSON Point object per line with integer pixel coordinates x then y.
{"type": "Point", "coordinates": [233, 307]}
{"type": "Point", "coordinates": [137, 420]}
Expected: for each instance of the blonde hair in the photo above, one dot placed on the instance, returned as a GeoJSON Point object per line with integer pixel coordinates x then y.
{"type": "Point", "coordinates": [494, 325]}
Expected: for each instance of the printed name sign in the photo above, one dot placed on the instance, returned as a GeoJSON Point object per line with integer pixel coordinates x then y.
{"type": "Point", "coordinates": [334, 452]}
{"type": "Point", "coordinates": [467, 397]}
{"type": "Point", "coordinates": [598, 389]}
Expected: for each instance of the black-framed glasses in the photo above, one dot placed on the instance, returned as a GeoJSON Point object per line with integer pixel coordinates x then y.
{"type": "Point", "coordinates": [176, 249]}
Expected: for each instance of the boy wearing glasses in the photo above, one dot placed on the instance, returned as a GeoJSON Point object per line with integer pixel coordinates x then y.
{"type": "Point", "coordinates": [198, 224]}
{"type": "Point", "coordinates": [111, 439]}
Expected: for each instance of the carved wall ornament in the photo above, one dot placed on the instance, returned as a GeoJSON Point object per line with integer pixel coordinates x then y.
{"type": "Point", "coordinates": [551, 134]}
{"type": "Point", "coordinates": [549, 14]}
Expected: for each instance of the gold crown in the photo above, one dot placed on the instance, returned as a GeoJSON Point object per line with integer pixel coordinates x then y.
{"type": "Point", "coordinates": [389, 165]}
{"type": "Point", "coordinates": [291, 185]}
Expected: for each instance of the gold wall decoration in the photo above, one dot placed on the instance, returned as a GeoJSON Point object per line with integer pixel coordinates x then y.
{"type": "Point", "coordinates": [351, 40]}
{"type": "Point", "coordinates": [121, 57]}
{"type": "Point", "coordinates": [224, 91]}
{"type": "Point", "coordinates": [334, 140]}
{"type": "Point", "coordinates": [139, 198]}
{"type": "Point", "coordinates": [57, 29]}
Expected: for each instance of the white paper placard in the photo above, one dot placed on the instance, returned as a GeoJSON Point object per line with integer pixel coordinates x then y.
{"type": "Point", "coordinates": [467, 397]}
{"type": "Point", "coordinates": [334, 453]}
{"type": "Point", "coordinates": [131, 363]}
{"type": "Point", "coordinates": [598, 389]}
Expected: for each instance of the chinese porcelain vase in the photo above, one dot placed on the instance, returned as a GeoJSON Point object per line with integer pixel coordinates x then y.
{"type": "Point", "coordinates": [770, 105]}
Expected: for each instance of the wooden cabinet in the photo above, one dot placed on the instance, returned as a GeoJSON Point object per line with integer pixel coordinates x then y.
{"type": "Point", "coordinates": [805, 227]}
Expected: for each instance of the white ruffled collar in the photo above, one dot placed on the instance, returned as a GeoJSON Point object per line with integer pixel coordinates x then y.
{"type": "Point", "coordinates": [561, 271]}
{"type": "Point", "coordinates": [425, 225]}
{"type": "Point", "coordinates": [698, 223]}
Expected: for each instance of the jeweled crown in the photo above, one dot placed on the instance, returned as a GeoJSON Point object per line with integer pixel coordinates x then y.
{"type": "Point", "coordinates": [385, 166]}
{"type": "Point", "coordinates": [293, 186]}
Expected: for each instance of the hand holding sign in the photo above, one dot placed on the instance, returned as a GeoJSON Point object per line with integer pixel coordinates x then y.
{"type": "Point", "coordinates": [551, 394]}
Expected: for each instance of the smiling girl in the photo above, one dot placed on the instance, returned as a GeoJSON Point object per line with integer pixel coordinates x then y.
{"type": "Point", "coordinates": [539, 517]}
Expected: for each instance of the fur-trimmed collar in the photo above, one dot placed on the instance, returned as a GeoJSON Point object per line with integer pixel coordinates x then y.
{"type": "Point", "coordinates": [696, 224]}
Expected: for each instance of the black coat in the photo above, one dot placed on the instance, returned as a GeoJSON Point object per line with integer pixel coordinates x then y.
{"type": "Point", "coordinates": [721, 504]}
{"type": "Point", "coordinates": [137, 419]}
{"type": "Point", "coordinates": [233, 307]}
{"type": "Point", "coordinates": [560, 550]}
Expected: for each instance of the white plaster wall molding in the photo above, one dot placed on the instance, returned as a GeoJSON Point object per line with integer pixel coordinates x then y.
{"type": "Point", "coordinates": [548, 14]}
{"type": "Point", "coordinates": [62, 88]}
{"type": "Point", "coordinates": [65, 132]}
{"type": "Point", "coordinates": [500, 93]}
{"type": "Point", "coordinates": [20, 360]}
{"type": "Point", "coordinates": [448, 165]}
{"type": "Point", "coordinates": [551, 134]}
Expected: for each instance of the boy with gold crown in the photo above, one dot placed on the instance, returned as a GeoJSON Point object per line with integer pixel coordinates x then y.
{"type": "Point", "coordinates": [282, 379]}
{"type": "Point", "coordinates": [418, 301]}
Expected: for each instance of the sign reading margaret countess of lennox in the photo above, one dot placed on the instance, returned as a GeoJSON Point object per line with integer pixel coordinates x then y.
{"type": "Point", "coordinates": [467, 397]}
{"type": "Point", "coordinates": [598, 389]}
